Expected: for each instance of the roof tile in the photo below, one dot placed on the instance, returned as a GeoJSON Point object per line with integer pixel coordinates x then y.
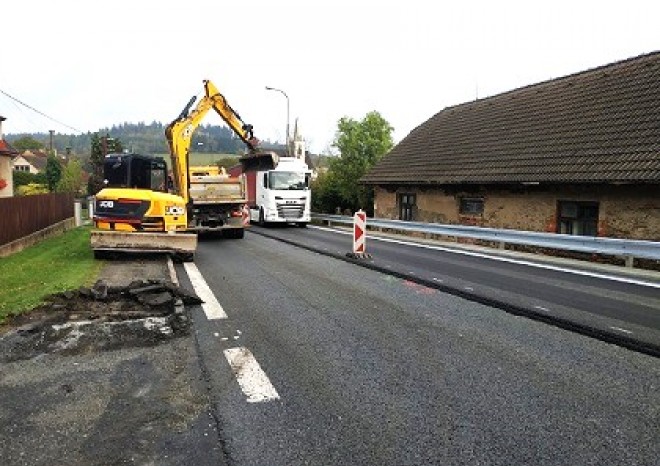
{"type": "Point", "coordinates": [600, 125]}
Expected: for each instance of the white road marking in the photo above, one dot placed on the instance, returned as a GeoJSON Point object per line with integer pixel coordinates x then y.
{"type": "Point", "coordinates": [469, 288]}
{"type": "Point", "coordinates": [505, 259]}
{"type": "Point", "coordinates": [619, 329]}
{"type": "Point", "coordinates": [252, 379]}
{"type": "Point", "coordinates": [438, 280]}
{"type": "Point", "coordinates": [211, 306]}
{"type": "Point", "coordinates": [541, 308]}
{"type": "Point", "coordinates": [172, 271]}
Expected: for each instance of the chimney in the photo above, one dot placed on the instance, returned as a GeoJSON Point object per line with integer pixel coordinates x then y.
{"type": "Point", "coordinates": [2, 136]}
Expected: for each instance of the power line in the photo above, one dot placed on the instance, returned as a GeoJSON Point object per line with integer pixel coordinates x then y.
{"type": "Point", "coordinates": [40, 113]}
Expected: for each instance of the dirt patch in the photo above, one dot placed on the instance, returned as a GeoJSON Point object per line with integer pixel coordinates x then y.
{"type": "Point", "coordinates": [103, 317]}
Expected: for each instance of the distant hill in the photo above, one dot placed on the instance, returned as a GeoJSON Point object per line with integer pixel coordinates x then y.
{"type": "Point", "coordinates": [144, 139]}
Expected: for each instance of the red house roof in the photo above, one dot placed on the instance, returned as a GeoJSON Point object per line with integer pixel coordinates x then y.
{"type": "Point", "coordinates": [6, 149]}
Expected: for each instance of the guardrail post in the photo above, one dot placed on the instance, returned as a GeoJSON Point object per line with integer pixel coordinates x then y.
{"type": "Point", "coordinates": [501, 245]}
{"type": "Point", "coordinates": [630, 260]}
{"type": "Point", "coordinates": [90, 207]}
{"type": "Point", "coordinates": [77, 212]}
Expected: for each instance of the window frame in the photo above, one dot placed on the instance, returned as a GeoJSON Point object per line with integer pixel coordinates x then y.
{"type": "Point", "coordinates": [465, 201]}
{"type": "Point", "coordinates": [581, 223]}
{"type": "Point", "coordinates": [407, 208]}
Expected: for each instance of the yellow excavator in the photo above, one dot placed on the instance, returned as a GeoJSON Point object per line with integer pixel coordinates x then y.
{"type": "Point", "coordinates": [142, 209]}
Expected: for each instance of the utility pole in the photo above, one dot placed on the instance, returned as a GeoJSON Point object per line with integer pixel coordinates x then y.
{"type": "Point", "coordinates": [268, 88]}
{"type": "Point", "coordinates": [50, 150]}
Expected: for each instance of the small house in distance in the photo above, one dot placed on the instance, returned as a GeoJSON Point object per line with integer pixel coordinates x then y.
{"type": "Point", "coordinates": [578, 155]}
{"type": "Point", "coordinates": [31, 161]}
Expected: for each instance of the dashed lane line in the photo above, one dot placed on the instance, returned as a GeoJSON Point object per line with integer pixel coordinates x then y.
{"type": "Point", "coordinates": [541, 308]}
{"type": "Point", "coordinates": [211, 306]}
{"type": "Point", "coordinates": [252, 379]}
{"type": "Point", "coordinates": [623, 330]}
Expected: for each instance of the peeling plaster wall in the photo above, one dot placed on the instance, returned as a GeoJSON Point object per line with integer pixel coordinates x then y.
{"type": "Point", "coordinates": [624, 211]}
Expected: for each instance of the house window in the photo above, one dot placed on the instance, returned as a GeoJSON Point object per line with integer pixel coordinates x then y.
{"type": "Point", "coordinates": [407, 206]}
{"type": "Point", "coordinates": [471, 206]}
{"type": "Point", "coordinates": [22, 168]}
{"type": "Point", "coordinates": [577, 218]}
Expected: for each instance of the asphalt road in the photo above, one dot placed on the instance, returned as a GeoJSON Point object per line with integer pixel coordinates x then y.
{"type": "Point", "coordinates": [352, 366]}
{"type": "Point", "coordinates": [594, 299]}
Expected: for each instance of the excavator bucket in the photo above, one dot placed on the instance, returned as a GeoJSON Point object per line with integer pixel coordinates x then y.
{"type": "Point", "coordinates": [180, 245]}
{"type": "Point", "coordinates": [258, 161]}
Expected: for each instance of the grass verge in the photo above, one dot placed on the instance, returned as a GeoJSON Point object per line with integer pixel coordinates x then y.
{"type": "Point", "coordinates": [56, 264]}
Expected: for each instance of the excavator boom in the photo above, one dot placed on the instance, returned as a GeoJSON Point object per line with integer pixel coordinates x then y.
{"type": "Point", "coordinates": [179, 133]}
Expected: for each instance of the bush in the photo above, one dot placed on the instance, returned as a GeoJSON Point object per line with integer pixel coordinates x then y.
{"type": "Point", "coordinates": [31, 189]}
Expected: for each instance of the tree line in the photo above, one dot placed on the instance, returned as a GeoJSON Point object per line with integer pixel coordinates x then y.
{"type": "Point", "coordinates": [138, 137]}
{"type": "Point", "coordinates": [360, 143]}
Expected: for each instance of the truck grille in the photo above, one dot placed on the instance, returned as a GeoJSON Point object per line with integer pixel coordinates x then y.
{"type": "Point", "coordinates": [290, 211]}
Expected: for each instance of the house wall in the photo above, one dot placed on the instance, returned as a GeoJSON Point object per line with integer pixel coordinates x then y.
{"type": "Point", "coordinates": [21, 162]}
{"type": "Point", "coordinates": [624, 211]}
{"type": "Point", "coordinates": [6, 174]}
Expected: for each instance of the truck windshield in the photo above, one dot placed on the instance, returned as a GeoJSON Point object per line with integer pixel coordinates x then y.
{"type": "Point", "coordinates": [288, 180]}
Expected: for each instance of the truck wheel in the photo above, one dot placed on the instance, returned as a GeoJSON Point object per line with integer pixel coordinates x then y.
{"type": "Point", "coordinates": [302, 224]}
{"type": "Point", "coordinates": [262, 221]}
{"type": "Point", "coordinates": [239, 233]}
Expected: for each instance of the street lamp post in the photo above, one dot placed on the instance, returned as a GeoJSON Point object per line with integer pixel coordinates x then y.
{"type": "Point", "coordinates": [268, 88]}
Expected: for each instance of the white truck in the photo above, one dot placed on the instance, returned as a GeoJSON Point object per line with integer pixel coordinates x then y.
{"type": "Point", "coordinates": [281, 194]}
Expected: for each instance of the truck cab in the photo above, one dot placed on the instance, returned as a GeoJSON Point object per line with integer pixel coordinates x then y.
{"type": "Point", "coordinates": [282, 194]}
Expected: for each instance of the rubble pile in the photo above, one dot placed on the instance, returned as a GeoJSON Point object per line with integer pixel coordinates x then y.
{"type": "Point", "coordinates": [99, 318]}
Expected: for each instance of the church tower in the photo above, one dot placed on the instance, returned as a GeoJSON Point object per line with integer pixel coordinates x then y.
{"type": "Point", "coordinates": [298, 144]}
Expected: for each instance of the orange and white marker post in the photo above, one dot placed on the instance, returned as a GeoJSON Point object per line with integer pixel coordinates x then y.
{"type": "Point", "coordinates": [359, 232]}
{"type": "Point", "coordinates": [359, 235]}
{"type": "Point", "coordinates": [246, 216]}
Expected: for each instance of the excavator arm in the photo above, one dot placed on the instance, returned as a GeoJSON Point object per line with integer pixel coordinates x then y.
{"type": "Point", "coordinates": [179, 133]}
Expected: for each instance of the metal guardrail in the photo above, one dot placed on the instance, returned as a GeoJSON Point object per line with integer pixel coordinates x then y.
{"type": "Point", "coordinates": [628, 249]}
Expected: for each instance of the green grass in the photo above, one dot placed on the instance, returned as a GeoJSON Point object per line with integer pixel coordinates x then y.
{"type": "Point", "coordinates": [56, 264]}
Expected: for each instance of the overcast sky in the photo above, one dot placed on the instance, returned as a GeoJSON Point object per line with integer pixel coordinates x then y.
{"type": "Point", "coordinates": [92, 64]}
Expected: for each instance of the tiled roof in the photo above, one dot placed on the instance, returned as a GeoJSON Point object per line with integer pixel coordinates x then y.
{"type": "Point", "coordinates": [37, 161]}
{"type": "Point", "coordinates": [7, 149]}
{"type": "Point", "coordinates": [601, 125]}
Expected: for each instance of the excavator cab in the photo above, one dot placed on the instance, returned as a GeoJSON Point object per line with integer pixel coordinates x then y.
{"type": "Point", "coordinates": [135, 171]}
